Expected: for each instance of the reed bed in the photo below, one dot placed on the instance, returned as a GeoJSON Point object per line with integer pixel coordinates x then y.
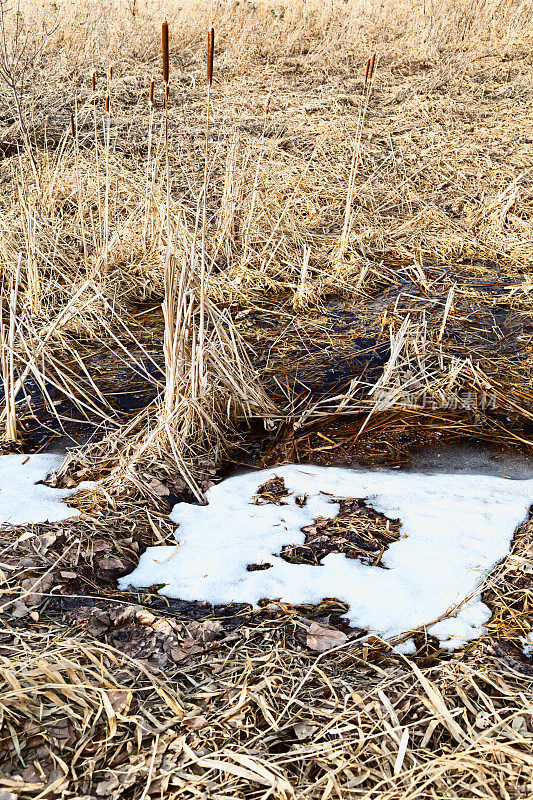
{"type": "Point", "coordinates": [311, 242]}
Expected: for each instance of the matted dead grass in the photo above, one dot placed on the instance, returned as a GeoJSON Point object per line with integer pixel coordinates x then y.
{"type": "Point", "coordinates": [368, 251]}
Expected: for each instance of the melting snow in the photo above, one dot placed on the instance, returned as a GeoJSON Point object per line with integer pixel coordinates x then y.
{"type": "Point", "coordinates": [454, 530]}
{"type": "Point", "coordinates": [23, 499]}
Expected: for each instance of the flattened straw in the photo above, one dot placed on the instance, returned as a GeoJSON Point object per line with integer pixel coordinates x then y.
{"type": "Point", "coordinates": [449, 301]}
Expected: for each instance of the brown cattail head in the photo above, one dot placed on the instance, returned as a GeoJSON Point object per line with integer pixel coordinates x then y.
{"type": "Point", "coordinates": [210, 55]}
{"type": "Point", "coordinates": [372, 65]}
{"type": "Point", "coordinates": [151, 94]}
{"type": "Point", "coordinates": [367, 70]}
{"type": "Point", "coordinates": [93, 81]}
{"type": "Point", "coordinates": [72, 126]}
{"type": "Point", "coordinates": [110, 72]}
{"type": "Point", "coordinates": [164, 49]}
{"type": "Point", "coordinates": [107, 103]}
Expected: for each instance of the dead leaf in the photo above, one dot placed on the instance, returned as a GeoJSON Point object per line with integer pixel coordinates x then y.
{"type": "Point", "coordinates": [321, 639]}
{"type": "Point", "coordinates": [195, 722]}
{"type": "Point", "coordinates": [20, 609]}
{"type": "Point", "coordinates": [119, 700]}
{"type": "Point", "coordinates": [205, 631]}
{"type": "Point", "coordinates": [304, 730]}
{"type": "Point", "coordinates": [158, 488]}
{"type": "Point", "coordinates": [40, 585]}
{"type": "Point", "coordinates": [99, 622]}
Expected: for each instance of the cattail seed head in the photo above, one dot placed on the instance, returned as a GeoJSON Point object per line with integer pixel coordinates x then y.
{"type": "Point", "coordinates": [107, 103]}
{"type": "Point", "coordinates": [110, 72]}
{"type": "Point", "coordinates": [151, 94]}
{"type": "Point", "coordinates": [93, 81]}
{"type": "Point", "coordinates": [369, 71]}
{"type": "Point", "coordinates": [372, 65]}
{"type": "Point", "coordinates": [164, 49]}
{"type": "Point", "coordinates": [210, 55]}
{"type": "Point", "coordinates": [72, 126]}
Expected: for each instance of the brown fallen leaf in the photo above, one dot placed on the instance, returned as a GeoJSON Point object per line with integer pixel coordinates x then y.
{"type": "Point", "coordinates": [99, 621]}
{"type": "Point", "coordinates": [321, 639]}
{"type": "Point", "coordinates": [158, 488]}
{"type": "Point", "coordinates": [189, 647]}
{"type": "Point", "coordinates": [205, 631]}
{"type": "Point", "coordinates": [119, 700]}
{"type": "Point", "coordinates": [36, 588]}
{"type": "Point", "coordinates": [19, 609]}
{"type": "Point", "coordinates": [195, 722]}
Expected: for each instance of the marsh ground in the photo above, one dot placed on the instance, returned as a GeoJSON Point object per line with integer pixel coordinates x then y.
{"type": "Point", "coordinates": [355, 267]}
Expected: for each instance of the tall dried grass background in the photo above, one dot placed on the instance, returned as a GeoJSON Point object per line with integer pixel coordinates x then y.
{"type": "Point", "coordinates": [127, 252]}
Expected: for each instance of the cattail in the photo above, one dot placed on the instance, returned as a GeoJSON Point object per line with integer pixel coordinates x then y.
{"type": "Point", "coordinates": [93, 81]}
{"type": "Point", "coordinates": [372, 65]}
{"type": "Point", "coordinates": [367, 70]}
{"type": "Point", "coordinates": [210, 53]}
{"type": "Point", "coordinates": [72, 126]}
{"type": "Point", "coordinates": [151, 94]}
{"type": "Point", "coordinates": [107, 103]}
{"type": "Point", "coordinates": [110, 73]}
{"type": "Point", "coordinates": [164, 48]}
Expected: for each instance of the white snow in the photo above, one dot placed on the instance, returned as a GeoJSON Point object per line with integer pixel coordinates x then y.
{"type": "Point", "coordinates": [406, 648]}
{"type": "Point", "coordinates": [23, 499]}
{"type": "Point", "coordinates": [454, 530]}
{"type": "Point", "coordinates": [527, 644]}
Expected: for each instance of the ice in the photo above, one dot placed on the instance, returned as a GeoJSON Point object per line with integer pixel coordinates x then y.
{"type": "Point", "coordinates": [454, 530]}
{"type": "Point", "coordinates": [23, 499]}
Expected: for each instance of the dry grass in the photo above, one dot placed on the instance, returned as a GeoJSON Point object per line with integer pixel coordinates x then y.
{"type": "Point", "coordinates": [338, 256]}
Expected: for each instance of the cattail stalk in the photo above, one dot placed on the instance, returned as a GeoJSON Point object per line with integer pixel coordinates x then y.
{"type": "Point", "coordinates": [166, 79]}
{"type": "Point", "coordinates": [97, 162]}
{"type": "Point", "coordinates": [74, 132]}
{"type": "Point", "coordinates": [107, 173]}
{"type": "Point", "coordinates": [201, 328]}
{"type": "Point", "coordinates": [7, 349]}
{"type": "Point", "coordinates": [149, 167]}
{"type": "Point", "coordinates": [356, 152]}
{"type": "Point", "coordinates": [165, 57]}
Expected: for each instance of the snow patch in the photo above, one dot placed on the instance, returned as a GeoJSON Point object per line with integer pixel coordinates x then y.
{"type": "Point", "coordinates": [527, 644]}
{"type": "Point", "coordinates": [23, 499]}
{"type": "Point", "coordinates": [406, 648]}
{"type": "Point", "coordinates": [454, 530]}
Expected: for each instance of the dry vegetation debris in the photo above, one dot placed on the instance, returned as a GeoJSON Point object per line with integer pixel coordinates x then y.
{"type": "Point", "coordinates": [368, 251]}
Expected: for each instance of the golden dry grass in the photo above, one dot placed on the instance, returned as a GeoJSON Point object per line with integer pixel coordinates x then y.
{"type": "Point", "coordinates": [384, 229]}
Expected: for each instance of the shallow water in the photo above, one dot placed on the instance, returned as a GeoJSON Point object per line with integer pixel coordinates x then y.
{"type": "Point", "coordinates": [472, 458]}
